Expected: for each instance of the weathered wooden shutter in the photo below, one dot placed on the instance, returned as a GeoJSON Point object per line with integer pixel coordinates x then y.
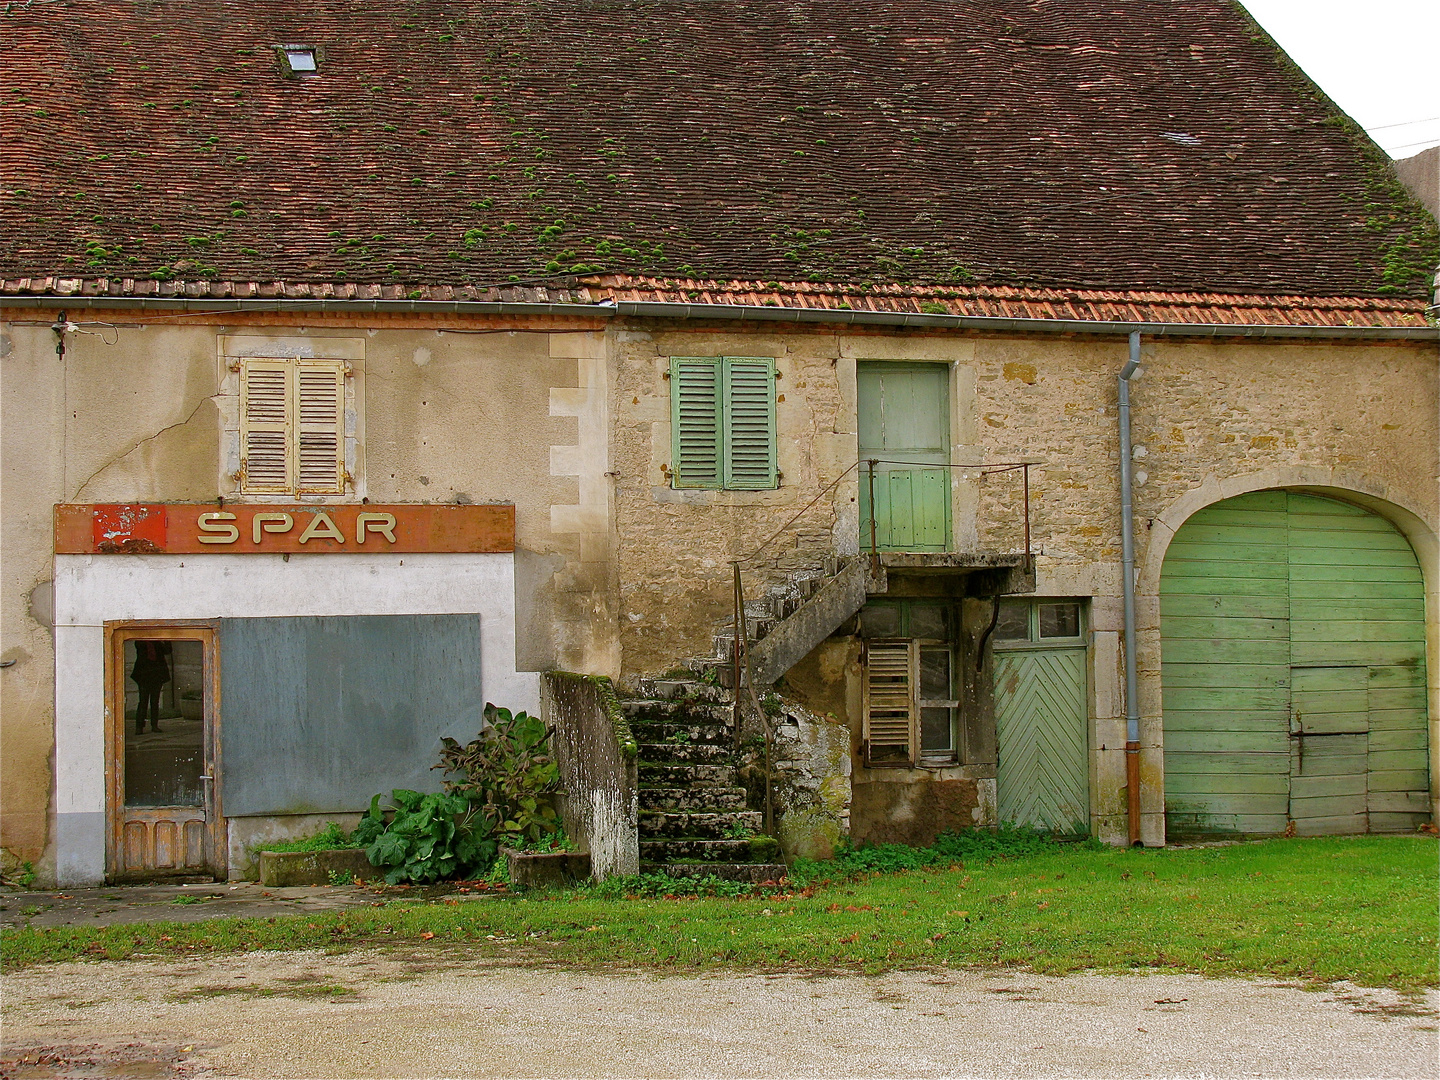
{"type": "Point", "coordinates": [320, 450]}
{"type": "Point", "coordinates": [695, 385]}
{"type": "Point", "coordinates": [889, 703]}
{"type": "Point", "coordinates": [748, 410]}
{"type": "Point", "coordinates": [266, 426]}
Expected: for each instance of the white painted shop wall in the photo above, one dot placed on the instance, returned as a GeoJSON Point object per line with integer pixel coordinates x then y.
{"type": "Point", "coordinates": [91, 590]}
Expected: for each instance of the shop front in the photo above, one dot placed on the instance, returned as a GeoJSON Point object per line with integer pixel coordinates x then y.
{"type": "Point", "coordinates": [227, 675]}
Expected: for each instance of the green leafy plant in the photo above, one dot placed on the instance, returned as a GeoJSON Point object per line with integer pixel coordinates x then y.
{"type": "Point", "coordinates": [327, 839]}
{"type": "Point", "coordinates": [509, 775]}
{"type": "Point", "coordinates": [427, 837]}
{"type": "Point", "coordinates": [19, 876]}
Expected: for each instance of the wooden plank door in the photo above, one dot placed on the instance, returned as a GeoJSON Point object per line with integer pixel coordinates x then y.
{"type": "Point", "coordinates": [1041, 726]}
{"type": "Point", "coordinates": [1225, 682]}
{"type": "Point", "coordinates": [1329, 740]}
{"type": "Point", "coordinates": [1357, 602]}
{"type": "Point", "coordinates": [1293, 670]}
{"type": "Point", "coordinates": [904, 424]}
{"type": "Point", "coordinates": [162, 787]}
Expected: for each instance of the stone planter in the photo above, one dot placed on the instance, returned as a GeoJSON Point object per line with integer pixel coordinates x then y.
{"type": "Point", "coordinates": [280, 869]}
{"type": "Point", "coordinates": [547, 870]}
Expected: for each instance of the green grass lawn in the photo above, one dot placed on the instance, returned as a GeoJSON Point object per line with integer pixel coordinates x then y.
{"type": "Point", "coordinates": [1360, 908]}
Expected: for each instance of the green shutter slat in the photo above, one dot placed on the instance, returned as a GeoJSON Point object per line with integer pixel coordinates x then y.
{"type": "Point", "coordinates": [748, 411]}
{"type": "Point", "coordinates": [695, 421]}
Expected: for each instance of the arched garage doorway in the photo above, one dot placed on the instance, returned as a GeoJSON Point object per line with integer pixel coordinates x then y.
{"type": "Point", "coordinates": [1293, 670]}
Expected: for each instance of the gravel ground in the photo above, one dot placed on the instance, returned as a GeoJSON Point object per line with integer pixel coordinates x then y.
{"type": "Point", "coordinates": [434, 1013]}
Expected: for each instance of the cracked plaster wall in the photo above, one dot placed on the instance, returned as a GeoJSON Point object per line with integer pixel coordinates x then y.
{"type": "Point", "coordinates": [440, 417]}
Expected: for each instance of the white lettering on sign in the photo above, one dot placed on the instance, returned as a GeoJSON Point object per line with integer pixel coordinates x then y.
{"type": "Point", "coordinates": [216, 528]}
{"type": "Point", "coordinates": [384, 524]}
{"type": "Point", "coordinates": [271, 523]}
{"type": "Point", "coordinates": [221, 532]}
{"type": "Point", "coordinates": [321, 526]}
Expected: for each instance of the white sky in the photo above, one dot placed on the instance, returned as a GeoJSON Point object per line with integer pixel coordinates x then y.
{"type": "Point", "coordinates": [1379, 60]}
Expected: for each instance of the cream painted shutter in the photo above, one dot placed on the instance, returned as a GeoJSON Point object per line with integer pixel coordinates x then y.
{"type": "Point", "coordinates": [320, 449]}
{"type": "Point", "coordinates": [695, 420]}
{"type": "Point", "coordinates": [749, 414]}
{"type": "Point", "coordinates": [889, 703]}
{"type": "Point", "coordinates": [267, 418]}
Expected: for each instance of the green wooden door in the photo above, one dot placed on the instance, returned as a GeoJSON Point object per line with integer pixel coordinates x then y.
{"type": "Point", "coordinates": [904, 422]}
{"type": "Point", "coordinates": [1293, 674]}
{"type": "Point", "coordinates": [1041, 725]}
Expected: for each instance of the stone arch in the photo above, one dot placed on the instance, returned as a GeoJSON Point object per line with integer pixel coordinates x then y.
{"type": "Point", "coordinates": [1351, 487]}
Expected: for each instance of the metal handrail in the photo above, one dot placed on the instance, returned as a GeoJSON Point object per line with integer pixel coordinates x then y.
{"type": "Point", "coordinates": [983, 469]}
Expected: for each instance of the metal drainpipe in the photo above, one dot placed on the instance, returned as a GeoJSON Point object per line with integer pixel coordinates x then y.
{"type": "Point", "coordinates": [1127, 549]}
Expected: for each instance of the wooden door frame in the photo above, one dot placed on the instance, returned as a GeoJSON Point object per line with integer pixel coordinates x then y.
{"type": "Point", "coordinates": [117, 633]}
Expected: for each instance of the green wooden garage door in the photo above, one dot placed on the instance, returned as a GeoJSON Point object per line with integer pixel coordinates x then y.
{"type": "Point", "coordinates": [1293, 636]}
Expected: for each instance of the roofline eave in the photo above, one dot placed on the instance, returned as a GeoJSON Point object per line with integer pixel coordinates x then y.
{"type": "Point", "coordinates": [727, 313]}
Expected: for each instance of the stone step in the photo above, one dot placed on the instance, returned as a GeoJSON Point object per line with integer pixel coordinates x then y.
{"type": "Point", "coordinates": [684, 754]}
{"type": "Point", "coordinates": [686, 776]}
{"type": "Point", "coordinates": [670, 689]}
{"type": "Point", "coordinates": [646, 731]}
{"type": "Point", "coordinates": [755, 873]}
{"type": "Point", "coordinates": [673, 851]}
{"type": "Point", "coordinates": [696, 825]}
{"type": "Point", "coordinates": [692, 798]}
{"type": "Point", "coordinates": [679, 711]}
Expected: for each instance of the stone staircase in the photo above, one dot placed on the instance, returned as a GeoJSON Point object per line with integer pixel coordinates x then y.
{"type": "Point", "coordinates": [694, 812]}
{"type": "Point", "coordinates": [697, 815]}
{"type": "Point", "coordinates": [791, 618]}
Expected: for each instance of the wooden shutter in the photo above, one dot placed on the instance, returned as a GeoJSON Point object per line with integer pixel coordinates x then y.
{"type": "Point", "coordinates": [695, 420]}
{"type": "Point", "coordinates": [748, 410]}
{"type": "Point", "coordinates": [267, 420]}
{"type": "Point", "coordinates": [320, 449]}
{"type": "Point", "coordinates": [889, 703]}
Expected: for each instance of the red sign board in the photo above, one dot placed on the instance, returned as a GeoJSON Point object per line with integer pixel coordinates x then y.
{"type": "Point", "coordinates": [205, 528]}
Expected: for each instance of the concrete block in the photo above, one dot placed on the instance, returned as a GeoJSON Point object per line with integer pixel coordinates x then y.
{"type": "Point", "coordinates": [284, 869]}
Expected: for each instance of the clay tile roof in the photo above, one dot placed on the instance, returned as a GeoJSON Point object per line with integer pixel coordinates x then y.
{"type": "Point", "coordinates": [1020, 157]}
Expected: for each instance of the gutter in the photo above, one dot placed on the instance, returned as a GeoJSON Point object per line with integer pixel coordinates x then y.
{"type": "Point", "coordinates": [729, 312]}
{"type": "Point", "coordinates": [1127, 559]}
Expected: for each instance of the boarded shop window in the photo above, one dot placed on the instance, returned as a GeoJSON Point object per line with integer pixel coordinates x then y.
{"type": "Point", "coordinates": [723, 422]}
{"type": "Point", "coordinates": [911, 702]}
{"type": "Point", "coordinates": [292, 426]}
{"type": "Point", "coordinates": [321, 713]}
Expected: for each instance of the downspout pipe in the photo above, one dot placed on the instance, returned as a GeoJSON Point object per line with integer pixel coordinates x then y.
{"type": "Point", "coordinates": [1127, 559]}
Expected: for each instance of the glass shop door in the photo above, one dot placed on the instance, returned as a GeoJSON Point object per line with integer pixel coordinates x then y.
{"type": "Point", "coordinates": [163, 797]}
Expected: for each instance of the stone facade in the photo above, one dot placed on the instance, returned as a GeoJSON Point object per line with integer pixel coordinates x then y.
{"type": "Point", "coordinates": [619, 574]}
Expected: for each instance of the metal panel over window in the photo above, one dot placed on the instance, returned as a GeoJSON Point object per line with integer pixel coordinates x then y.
{"type": "Point", "coordinates": [322, 713]}
{"type": "Point", "coordinates": [723, 419]}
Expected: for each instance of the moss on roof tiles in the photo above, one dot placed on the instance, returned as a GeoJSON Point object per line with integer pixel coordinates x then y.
{"type": "Point", "coordinates": [1139, 146]}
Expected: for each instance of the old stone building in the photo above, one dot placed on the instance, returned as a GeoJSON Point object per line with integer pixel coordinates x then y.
{"type": "Point", "coordinates": [361, 366]}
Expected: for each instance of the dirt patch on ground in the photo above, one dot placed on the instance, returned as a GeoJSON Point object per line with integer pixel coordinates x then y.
{"type": "Point", "coordinates": [417, 1012]}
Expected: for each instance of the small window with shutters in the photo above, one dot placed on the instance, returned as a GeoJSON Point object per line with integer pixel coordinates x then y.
{"type": "Point", "coordinates": [292, 426]}
{"type": "Point", "coordinates": [723, 422]}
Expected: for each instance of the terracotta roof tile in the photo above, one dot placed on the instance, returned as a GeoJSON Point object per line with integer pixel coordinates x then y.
{"type": "Point", "coordinates": [1046, 145]}
{"type": "Point", "coordinates": [1002, 302]}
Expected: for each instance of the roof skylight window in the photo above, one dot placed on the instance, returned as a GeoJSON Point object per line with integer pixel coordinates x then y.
{"type": "Point", "coordinates": [300, 59]}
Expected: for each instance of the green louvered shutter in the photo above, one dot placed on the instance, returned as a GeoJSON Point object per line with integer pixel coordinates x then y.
{"type": "Point", "coordinates": [749, 422]}
{"type": "Point", "coordinates": [695, 420]}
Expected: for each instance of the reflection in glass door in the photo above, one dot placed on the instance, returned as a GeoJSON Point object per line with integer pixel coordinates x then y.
{"type": "Point", "coordinates": [162, 804]}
